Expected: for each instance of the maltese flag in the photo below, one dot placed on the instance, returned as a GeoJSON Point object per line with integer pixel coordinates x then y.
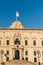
{"type": "Point", "coordinates": [17, 14]}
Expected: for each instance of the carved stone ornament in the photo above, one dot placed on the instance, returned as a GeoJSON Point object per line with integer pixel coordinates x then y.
{"type": "Point", "coordinates": [17, 25]}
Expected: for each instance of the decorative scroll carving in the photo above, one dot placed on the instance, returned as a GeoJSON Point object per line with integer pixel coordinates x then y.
{"type": "Point", "coordinates": [34, 38]}
{"type": "Point", "coordinates": [8, 37]}
{"type": "Point", "coordinates": [17, 25]}
{"type": "Point", "coordinates": [26, 38]}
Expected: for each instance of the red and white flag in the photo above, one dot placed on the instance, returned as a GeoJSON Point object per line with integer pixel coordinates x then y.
{"type": "Point", "coordinates": [17, 14]}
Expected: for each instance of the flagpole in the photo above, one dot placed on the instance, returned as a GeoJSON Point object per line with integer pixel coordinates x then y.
{"type": "Point", "coordinates": [16, 18]}
{"type": "Point", "coordinates": [16, 15]}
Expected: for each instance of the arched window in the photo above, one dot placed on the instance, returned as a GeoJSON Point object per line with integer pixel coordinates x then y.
{"type": "Point", "coordinates": [0, 42]}
{"type": "Point", "coordinates": [26, 42]}
{"type": "Point", "coordinates": [17, 41]}
{"type": "Point", "coordinates": [42, 42]}
{"type": "Point", "coordinates": [26, 52]}
{"type": "Point", "coordinates": [7, 58]}
{"type": "Point", "coordinates": [35, 59]}
{"type": "Point", "coordinates": [7, 42]}
{"type": "Point", "coordinates": [26, 58]}
{"type": "Point", "coordinates": [34, 42]}
{"type": "Point", "coordinates": [42, 53]}
{"type": "Point", "coordinates": [34, 52]}
{"type": "Point", "coordinates": [7, 52]}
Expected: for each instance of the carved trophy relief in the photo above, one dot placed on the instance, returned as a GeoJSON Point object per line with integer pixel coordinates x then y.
{"type": "Point", "coordinates": [16, 24]}
{"type": "Point", "coordinates": [17, 35]}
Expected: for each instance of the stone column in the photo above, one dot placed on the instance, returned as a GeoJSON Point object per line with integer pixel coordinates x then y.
{"type": "Point", "coordinates": [20, 54]}
{"type": "Point", "coordinates": [13, 53]}
{"type": "Point", "coordinates": [0, 59]}
{"type": "Point", "coordinates": [10, 54]}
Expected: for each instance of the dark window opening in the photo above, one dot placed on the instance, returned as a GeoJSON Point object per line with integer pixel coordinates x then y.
{"type": "Point", "coordinates": [35, 59]}
{"type": "Point", "coordinates": [26, 58]}
{"type": "Point", "coordinates": [42, 53]}
{"type": "Point", "coordinates": [7, 58]}
{"type": "Point", "coordinates": [7, 42]}
{"type": "Point", "coordinates": [34, 52]}
{"type": "Point", "coordinates": [7, 52]}
{"type": "Point", "coordinates": [42, 43]}
{"type": "Point", "coordinates": [34, 42]}
{"type": "Point", "coordinates": [26, 52]}
{"type": "Point", "coordinates": [26, 42]}
{"type": "Point", "coordinates": [17, 41]}
{"type": "Point", "coordinates": [0, 42]}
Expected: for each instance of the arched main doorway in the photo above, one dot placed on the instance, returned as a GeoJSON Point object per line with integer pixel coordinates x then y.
{"type": "Point", "coordinates": [17, 54]}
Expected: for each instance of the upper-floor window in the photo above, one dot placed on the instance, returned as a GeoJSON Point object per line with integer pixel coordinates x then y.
{"type": "Point", "coordinates": [26, 52]}
{"type": "Point", "coordinates": [26, 58]}
{"type": "Point", "coordinates": [7, 58]}
{"type": "Point", "coordinates": [0, 42]}
{"type": "Point", "coordinates": [26, 42]}
{"type": "Point", "coordinates": [17, 41]}
{"type": "Point", "coordinates": [34, 52]}
{"type": "Point", "coordinates": [7, 42]}
{"type": "Point", "coordinates": [42, 42]}
{"type": "Point", "coordinates": [35, 59]}
{"type": "Point", "coordinates": [34, 42]}
{"type": "Point", "coordinates": [42, 53]}
{"type": "Point", "coordinates": [7, 52]}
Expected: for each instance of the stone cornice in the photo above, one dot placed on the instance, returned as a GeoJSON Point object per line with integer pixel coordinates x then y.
{"type": "Point", "coordinates": [17, 25]}
{"type": "Point", "coordinates": [21, 29]}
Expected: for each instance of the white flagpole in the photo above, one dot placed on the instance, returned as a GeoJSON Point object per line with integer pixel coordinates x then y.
{"type": "Point", "coordinates": [17, 15]}
{"type": "Point", "coordinates": [16, 18]}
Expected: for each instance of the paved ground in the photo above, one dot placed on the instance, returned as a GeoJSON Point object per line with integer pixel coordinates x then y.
{"type": "Point", "coordinates": [19, 62]}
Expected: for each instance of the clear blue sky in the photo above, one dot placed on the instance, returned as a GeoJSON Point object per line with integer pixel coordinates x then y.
{"type": "Point", "coordinates": [31, 12]}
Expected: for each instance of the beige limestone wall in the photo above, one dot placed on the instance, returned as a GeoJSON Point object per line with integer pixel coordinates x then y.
{"type": "Point", "coordinates": [30, 35]}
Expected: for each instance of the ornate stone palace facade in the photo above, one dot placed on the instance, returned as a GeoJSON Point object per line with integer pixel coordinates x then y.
{"type": "Point", "coordinates": [17, 42]}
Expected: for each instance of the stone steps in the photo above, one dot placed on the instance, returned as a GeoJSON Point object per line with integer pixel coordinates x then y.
{"type": "Point", "coordinates": [18, 62]}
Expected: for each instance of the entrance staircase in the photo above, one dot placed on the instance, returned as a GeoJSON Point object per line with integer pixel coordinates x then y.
{"type": "Point", "coordinates": [19, 62]}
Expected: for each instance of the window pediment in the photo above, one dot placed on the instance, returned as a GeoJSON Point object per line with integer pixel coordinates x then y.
{"type": "Point", "coordinates": [8, 37]}
{"type": "Point", "coordinates": [41, 38]}
{"type": "Point", "coordinates": [0, 37]}
{"type": "Point", "coordinates": [26, 38]}
{"type": "Point", "coordinates": [34, 38]}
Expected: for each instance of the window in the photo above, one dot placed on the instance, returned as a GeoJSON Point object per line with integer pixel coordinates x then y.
{"type": "Point", "coordinates": [42, 42]}
{"type": "Point", "coordinates": [26, 58]}
{"type": "Point", "coordinates": [35, 59]}
{"type": "Point", "coordinates": [42, 53]}
{"type": "Point", "coordinates": [26, 42]}
{"type": "Point", "coordinates": [7, 58]}
{"type": "Point", "coordinates": [7, 42]}
{"type": "Point", "coordinates": [7, 52]}
{"type": "Point", "coordinates": [34, 52]}
{"type": "Point", "coordinates": [26, 52]}
{"type": "Point", "coordinates": [34, 42]}
{"type": "Point", "coordinates": [17, 41]}
{"type": "Point", "coordinates": [0, 42]}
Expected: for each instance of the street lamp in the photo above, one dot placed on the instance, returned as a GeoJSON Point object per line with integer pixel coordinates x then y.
{"type": "Point", "coordinates": [39, 55]}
